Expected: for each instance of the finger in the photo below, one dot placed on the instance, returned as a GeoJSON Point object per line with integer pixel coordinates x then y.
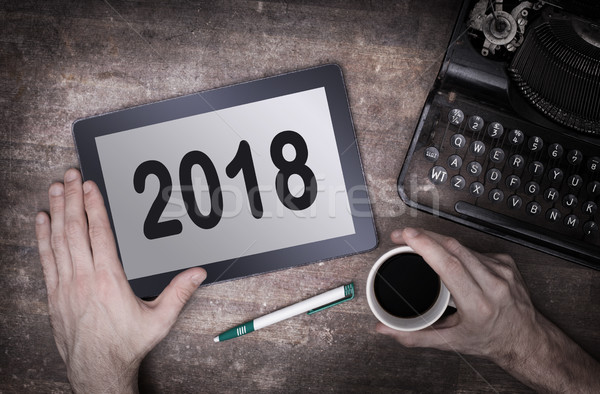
{"type": "Point", "coordinates": [472, 260]}
{"type": "Point", "coordinates": [101, 237]}
{"type": "Point", "coordinates": [500, 258]}
{"type": "Point", "coordinates": [396, 237]}
{"type": "Point", "coordinates": [173, 298]}
{"type": "Point", "coordinates": [428, 337]}
{"type": "Point", "coordinates": [76, 227]}
{"type": "Point", "coordinates": [504, 267]}
{"type": "Point", "coordinates": [58, 239]}
{"type": "Point", "coordinates": [448, 266]}
{"type": "Point", "coordinates": [484, 268]}
{"type": "Point", "coordinates": [42, 231]}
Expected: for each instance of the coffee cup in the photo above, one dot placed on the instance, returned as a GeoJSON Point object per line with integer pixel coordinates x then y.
{"type": "Point", "coordinates": [404, 292]}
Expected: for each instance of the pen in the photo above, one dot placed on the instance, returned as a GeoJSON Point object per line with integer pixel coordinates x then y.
{"type": "Point", "coordinates": [311, 305]}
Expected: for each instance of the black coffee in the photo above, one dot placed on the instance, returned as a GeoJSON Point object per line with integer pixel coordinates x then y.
{"type": "Point", "coordinates": [406, 286]}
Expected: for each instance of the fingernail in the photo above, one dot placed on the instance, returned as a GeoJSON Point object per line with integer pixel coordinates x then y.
{"type": "Point", "coordinates": [56, 190]}
{"type": "Point", "coordinates": [410, 232]}
{"type": "Point", "coordinates": [198, 279]}
{"type": "Point", "coordinates": [396, 234]}
{"type": "Point", "coordinates": [87, 187]}
{"type": "Point", "coordinates": [40, 218]}
{"type": "Point", "coordinates": [70, 175]}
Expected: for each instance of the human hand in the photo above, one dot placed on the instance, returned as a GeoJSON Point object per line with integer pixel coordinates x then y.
{"type": "Point", "coordinates": [493, 305]}
{"type": "Point", "coordinates": [102, 330]}
{"type": "Point", "coordinates": [495, 318]}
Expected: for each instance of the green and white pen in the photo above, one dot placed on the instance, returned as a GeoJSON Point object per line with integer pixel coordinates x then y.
{"type": "Point", "coordinates": [311, 305]}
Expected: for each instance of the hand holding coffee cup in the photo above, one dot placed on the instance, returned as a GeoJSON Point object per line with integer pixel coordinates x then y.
{"type": "Point", "coordinates": [492, 301]}
{"type": "Point", "coordinates": [404, 292]}
{"type": "Point", "coordinates": [495, 317]}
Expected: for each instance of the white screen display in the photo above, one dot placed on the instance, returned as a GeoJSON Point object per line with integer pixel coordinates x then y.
{"type": "Point", "coordinates": [270, 128]}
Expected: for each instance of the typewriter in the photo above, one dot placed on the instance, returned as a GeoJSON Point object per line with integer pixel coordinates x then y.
{"type": "Point", "coordinates": [508, 141]}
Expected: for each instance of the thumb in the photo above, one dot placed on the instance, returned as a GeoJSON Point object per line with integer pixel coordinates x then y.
{"type": "Point", "coordinates": [174, 297]}
{"type": "Point", "coordinates": [428, 337]}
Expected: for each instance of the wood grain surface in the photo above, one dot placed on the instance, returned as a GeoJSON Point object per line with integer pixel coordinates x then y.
{"type": "Point", "coordinates": [62, 60]}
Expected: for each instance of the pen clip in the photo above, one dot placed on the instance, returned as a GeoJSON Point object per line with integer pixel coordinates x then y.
{"type": "Point", "coordinates": [348, 295]}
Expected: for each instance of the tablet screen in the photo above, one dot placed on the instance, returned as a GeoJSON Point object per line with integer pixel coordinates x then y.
{"type": "Point", "coordinates": [241, 208]}
{"type": "Point", "coordinates": [240, 180]}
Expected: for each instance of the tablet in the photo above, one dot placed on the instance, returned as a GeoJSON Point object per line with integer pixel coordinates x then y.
{"type": "Point", "coordinates": [240, 180]}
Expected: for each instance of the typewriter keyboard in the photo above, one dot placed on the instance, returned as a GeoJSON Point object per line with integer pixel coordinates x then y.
{"type": "Point", "coordinates": [506, 176]}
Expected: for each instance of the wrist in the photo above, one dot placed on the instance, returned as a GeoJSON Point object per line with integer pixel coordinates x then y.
{"type": "Point", "coordinates": [544, 358]}
{"type": "Point", "coordinates": [115, 379]}
{"type": "Point", "coordinates": [123, 385]}
{"type": "Point", "coordinates": [531, 339]}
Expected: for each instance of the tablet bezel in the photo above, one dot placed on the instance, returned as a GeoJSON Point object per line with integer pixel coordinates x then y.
{"type": "Point", "coordinates": [330, 77]}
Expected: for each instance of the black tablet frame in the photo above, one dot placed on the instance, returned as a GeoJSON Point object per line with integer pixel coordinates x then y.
{"type": "Point", "coordinates": [330, 77]}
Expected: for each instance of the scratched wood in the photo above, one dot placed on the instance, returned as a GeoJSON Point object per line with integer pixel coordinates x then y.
{"type": "Point", "coordinates": [63, 60]}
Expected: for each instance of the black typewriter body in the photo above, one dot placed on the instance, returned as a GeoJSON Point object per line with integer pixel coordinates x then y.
{"type": "Point", "coordinates": [508, 141]}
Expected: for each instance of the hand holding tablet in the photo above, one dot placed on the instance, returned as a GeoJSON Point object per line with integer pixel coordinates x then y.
{"type": "Point", "coordinates": [101, 329]}
{"type": "Point", "coordinates": [240, 180]}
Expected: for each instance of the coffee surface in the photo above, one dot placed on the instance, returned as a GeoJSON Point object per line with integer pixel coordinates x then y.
{"type": "Point", "coordinates": [406, 286]}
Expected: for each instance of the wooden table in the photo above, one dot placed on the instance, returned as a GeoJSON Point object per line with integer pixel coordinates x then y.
{"type": "Point", "coordinates": [63, 60]}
